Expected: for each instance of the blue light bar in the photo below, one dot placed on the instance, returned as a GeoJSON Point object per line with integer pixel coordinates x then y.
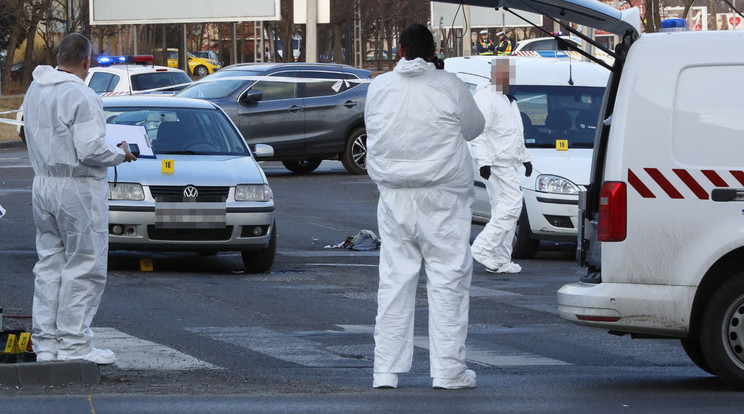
{"type": "Point", "coordinates": [674, 25]}
{"type": "Point", "coordinates": [104, 60]}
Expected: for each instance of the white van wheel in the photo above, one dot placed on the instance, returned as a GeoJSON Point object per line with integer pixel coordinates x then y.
{"type": "Point", "coordinates": [695, 353]}
{"type": "Point", "coordinates": [722, 331]}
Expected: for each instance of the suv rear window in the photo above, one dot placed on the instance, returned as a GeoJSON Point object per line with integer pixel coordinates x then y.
{"type": "Point", "coordinates": [102, 82]}
{"type": "Point", "coordinates": [153, 80]}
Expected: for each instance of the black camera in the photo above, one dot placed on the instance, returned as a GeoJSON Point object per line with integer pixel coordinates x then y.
{"type": "Point", "coordinates": [133, 148]}
{"type": "Point", "coordinates": [438, 63]}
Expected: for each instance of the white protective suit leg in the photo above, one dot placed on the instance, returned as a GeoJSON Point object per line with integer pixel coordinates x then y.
{"type": "Point", "coordinates": [416, 223]}
{"type": "Point", "coordinates": [72, 242]}
{"type": "Point", "coordinates": [493, 246]}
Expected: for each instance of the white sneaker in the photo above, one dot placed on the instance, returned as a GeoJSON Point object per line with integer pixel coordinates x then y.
{"type": "Point", "coordinates": [385, 380]}
{"type": "Point", "coordinates": [99, 356]}
{"type": "Point", "coordinates": [465, 380]}
{"type": "Point", "coordinates": [510, 267]}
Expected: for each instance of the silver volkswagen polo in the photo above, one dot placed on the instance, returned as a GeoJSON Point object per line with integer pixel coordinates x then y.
{"type": "Point", "coordinates": [203, 191]}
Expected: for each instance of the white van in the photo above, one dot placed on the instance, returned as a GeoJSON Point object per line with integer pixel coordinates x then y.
{"type": "Point", "coordinates": [663, 217]}
{"type": "Point", "coordinates": [560, 101]}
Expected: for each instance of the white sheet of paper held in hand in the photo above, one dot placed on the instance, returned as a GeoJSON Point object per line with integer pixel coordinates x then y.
{"type": "Point", "coordinates": [132, 134]}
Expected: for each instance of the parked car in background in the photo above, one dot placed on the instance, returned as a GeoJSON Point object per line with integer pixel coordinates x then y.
{"type": "Point", "coordinates": [559, 101]}
{"type": "Point", "coordinates": [209, 55]}
{"type": "Point", "coordinates": [127, 75]}
{"type": "Point", "coordinates": [552, 47]}
{"type": "Point", "coordinates": [306, 112]}
{"type": "Point", "coordinates": [199, 66]}
{"type": "Point", "coordinates": [139, 76]}
{"type": "Point", "coordinates": [204, 192]}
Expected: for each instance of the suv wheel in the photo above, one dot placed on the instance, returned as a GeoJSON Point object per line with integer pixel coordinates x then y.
{"type": "Point", "coordinates": [260, 261]}
{"type": "Point", "coordinates": [201, 71]}
{"type": "Point", "coordinates": [354, 158]}
{"type": "Point", "coordinates": [524, 246]}
{"type": "Point", "coordinates": [302, 166]}
{"type": "Point", "coordinates": [722, 331]}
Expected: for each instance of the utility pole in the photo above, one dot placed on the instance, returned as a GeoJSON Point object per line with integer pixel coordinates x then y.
{"type": "Point", "coordinates": [311, 41]}
{"type": "Point", "coordinates": [467, 41]}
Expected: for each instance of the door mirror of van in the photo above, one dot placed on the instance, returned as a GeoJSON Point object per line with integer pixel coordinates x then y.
{"type": "Point", "coordinates": [251, 97]}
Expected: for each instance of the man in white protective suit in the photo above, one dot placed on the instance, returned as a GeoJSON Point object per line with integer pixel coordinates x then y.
{"type": "Point", "coordinates": [499, 153]}
{"type": "Point", "coordinates": [418, 120]}
{"type": "Point", "coordinates": [65, 129]}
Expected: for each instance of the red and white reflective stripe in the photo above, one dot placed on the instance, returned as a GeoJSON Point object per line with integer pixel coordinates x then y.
{"type": "Point", "coordinates": [682, 183]}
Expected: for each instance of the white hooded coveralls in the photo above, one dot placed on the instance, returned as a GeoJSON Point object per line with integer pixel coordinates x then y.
{"type": "Point", "coordinates": [418, 119]}
{"type": "Point", "coordinates": [500, 146]}
{"type": "Point", "coordinates": [65, 126]}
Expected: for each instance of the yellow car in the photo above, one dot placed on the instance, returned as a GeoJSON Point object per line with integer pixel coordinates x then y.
{"type": "Point", "coordinates": [197, 66]}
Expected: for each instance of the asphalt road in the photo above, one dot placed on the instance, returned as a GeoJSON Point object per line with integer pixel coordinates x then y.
{"type": "Point", "coordinates": [198, 334]}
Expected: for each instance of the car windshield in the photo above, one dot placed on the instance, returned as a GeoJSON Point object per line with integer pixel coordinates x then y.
{"type": "Point", "coordinates": [552, 113]}
{"type": "Point", "coordinates": [182, 130]}
{"type": "Point", "coordinates": [214, 89]}
{"type": "Point", "coordinates": [153, 80]}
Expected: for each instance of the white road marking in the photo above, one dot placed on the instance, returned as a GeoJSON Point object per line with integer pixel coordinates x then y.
{"type": "Point", "coordinates": [490, 356]}
{"type": "Point", "coordinates": [281, 346]}
{"type": "Point", "coordinates": [481, 292]}
{"type": "Point", "coordinates": [138, 354]}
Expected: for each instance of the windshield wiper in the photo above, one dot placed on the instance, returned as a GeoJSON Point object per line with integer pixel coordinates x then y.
{"type": "Point", "coordinates": [181, 152]}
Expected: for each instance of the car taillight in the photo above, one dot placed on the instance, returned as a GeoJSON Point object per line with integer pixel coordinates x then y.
{"type": "Point", "coordinates": [612, 212]}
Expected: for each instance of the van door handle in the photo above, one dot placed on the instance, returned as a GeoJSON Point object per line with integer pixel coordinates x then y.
{"type": "Point", "coordinates": [350, 104]}
{"type": "Point", "coordinates": [727, 194]}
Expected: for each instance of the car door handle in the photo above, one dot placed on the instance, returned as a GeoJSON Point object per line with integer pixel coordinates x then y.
{"type": "Point", "coordinates": [294, 108]}
{"type": "Point", "coordinates": [727, 194]}
{"type": "Point", "coordinates": [350, 104]}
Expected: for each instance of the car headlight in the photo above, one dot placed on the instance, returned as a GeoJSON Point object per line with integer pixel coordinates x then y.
{"type": "Point", "coordinates": [126, 191]}
{"type": "Point", "coordinates": [555, 184]}
{"type": "Point", "coordinates": [253, 192]}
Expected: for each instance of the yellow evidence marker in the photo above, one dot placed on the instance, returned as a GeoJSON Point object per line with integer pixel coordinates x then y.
{"type": "Point", "coordinates": [168, 166]}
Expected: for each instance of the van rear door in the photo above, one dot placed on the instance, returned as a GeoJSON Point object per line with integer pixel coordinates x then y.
{"type": "Point", "coordinates": [585, 12]}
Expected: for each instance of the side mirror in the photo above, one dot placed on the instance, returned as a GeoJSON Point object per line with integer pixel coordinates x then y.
{"type": "Point", "coordinates": [262, 151]}
{"type": "Point", "coordinates": [251, 97]}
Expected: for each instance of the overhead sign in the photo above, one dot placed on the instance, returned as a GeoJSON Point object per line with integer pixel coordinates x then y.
{"type": "Point", "coordinates": [450, 16]}
{"type": "Point", "coordinates": [178, 11]}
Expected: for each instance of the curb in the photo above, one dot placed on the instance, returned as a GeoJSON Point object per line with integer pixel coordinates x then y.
{"type": "Point", "coordinates": [12, 144]}
{"type": "Point", "coordinates": [49, 373]}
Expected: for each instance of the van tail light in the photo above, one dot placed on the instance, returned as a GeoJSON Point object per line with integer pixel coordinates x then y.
{"type": "Point", "coordinates": [613, 212]}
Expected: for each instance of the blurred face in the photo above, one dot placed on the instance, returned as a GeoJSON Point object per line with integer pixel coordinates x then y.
{"type": "Point", "coordinates": [502, 74]}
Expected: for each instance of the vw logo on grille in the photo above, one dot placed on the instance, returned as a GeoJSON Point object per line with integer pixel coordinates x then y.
{"type": "Point", "coordinates": [190, 192]}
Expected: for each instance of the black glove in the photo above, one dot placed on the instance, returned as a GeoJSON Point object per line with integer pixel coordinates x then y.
{"type": "Point", "coordinates": [527, 169]}
{"type": "Point", "coordinates": [485, 172]}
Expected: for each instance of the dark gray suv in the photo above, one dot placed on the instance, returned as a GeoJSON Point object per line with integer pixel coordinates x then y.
{"type": "Point", "coordinates": [309, 113]}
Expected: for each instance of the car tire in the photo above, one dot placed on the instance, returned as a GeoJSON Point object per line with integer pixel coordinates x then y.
{"type": "Point", "coordinates": [302, 166]}
{"type": "Point", "coordinates": [722, 331]}
{"type": "Point", "coordinates": [695, 353]}
{"type": "Point", "coordinates": [201, 71]}
{"type": "Point", "coordinates": [524, 246]}
{"type": "Point", "coordinates": [260, 261]}
{"type": "Point", "coordinates": [354, 158]}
